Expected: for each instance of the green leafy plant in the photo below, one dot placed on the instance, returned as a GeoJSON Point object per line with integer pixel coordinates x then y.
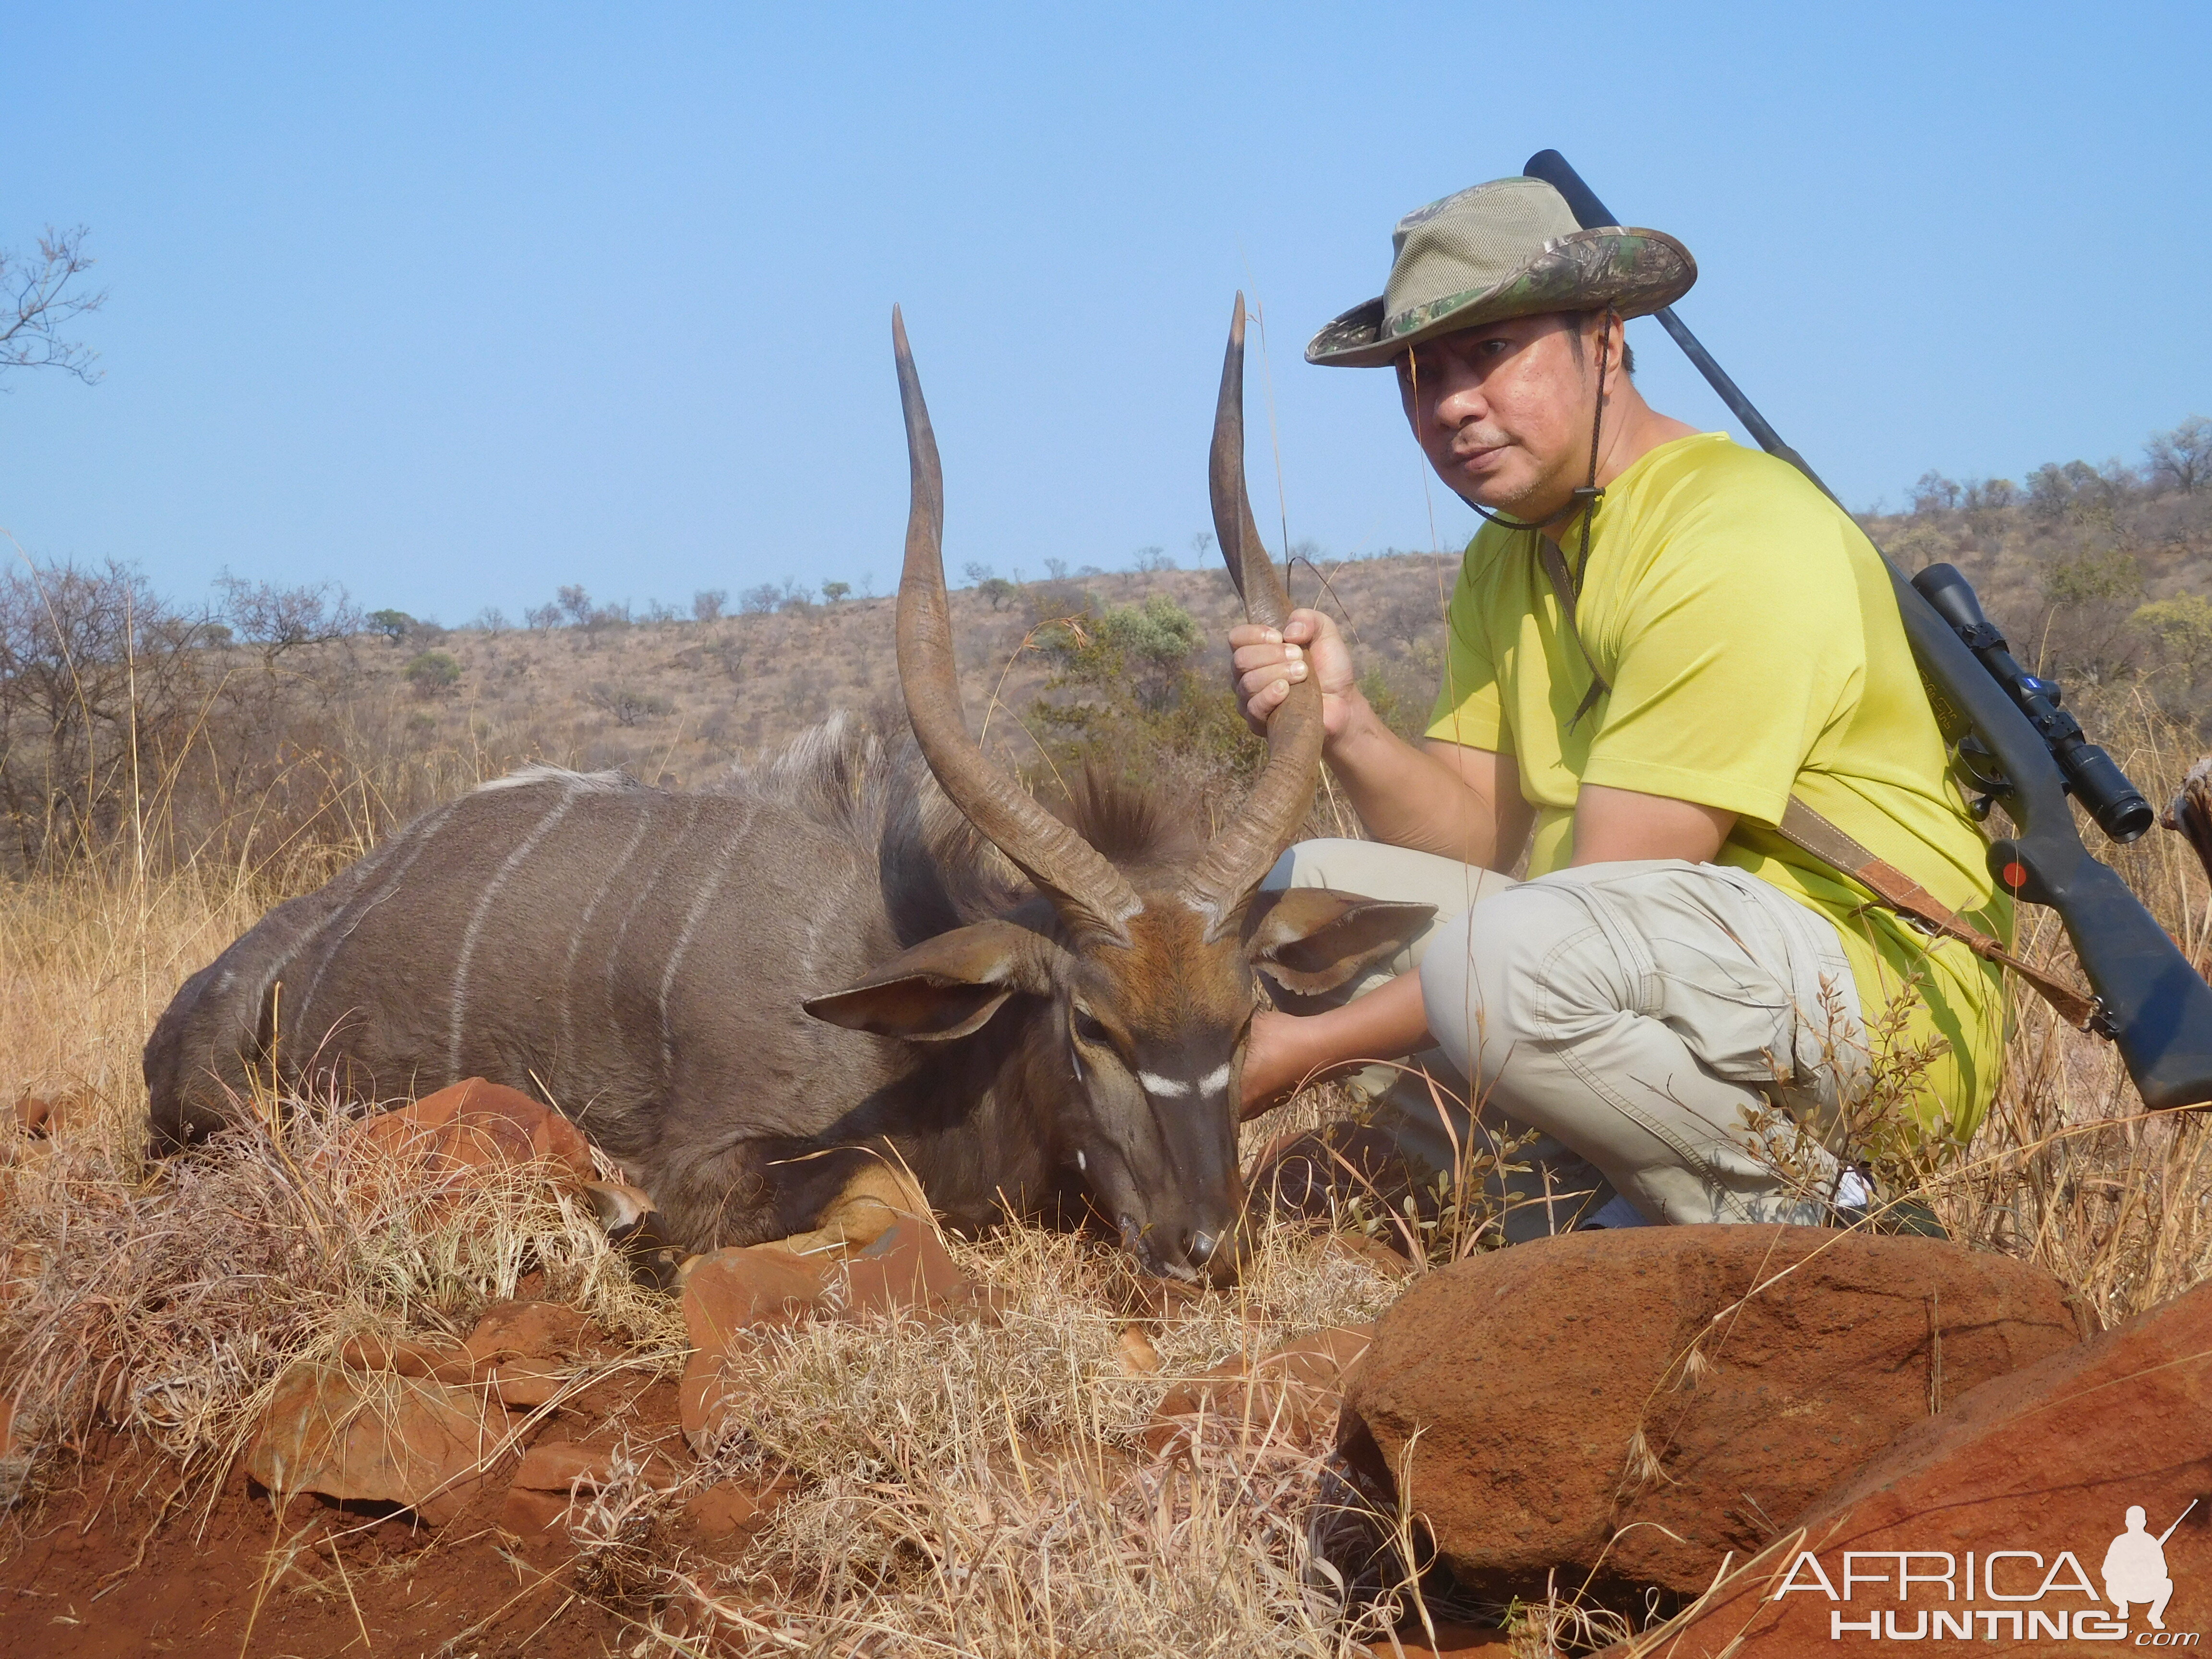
{"type": "Point", "coordinates": [432, 673]}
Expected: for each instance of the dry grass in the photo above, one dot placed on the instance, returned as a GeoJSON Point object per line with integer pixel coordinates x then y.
{"type": "Point", "coordinates": [166, 1305]}
{"type": "Point", "coordinates": [2068, 1170]}
{"type": "Point", "coordinates": [977, 1487]}
{"type": "Point", "coordinates": [981, 1487]}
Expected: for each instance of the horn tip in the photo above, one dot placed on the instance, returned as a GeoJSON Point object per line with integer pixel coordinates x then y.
{"type": "Point", "coordinates": [898, 332]}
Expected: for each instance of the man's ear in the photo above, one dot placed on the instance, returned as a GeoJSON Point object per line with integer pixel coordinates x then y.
{"type": "Point", "coordinates": [945, 987]}
{"type": "Point", "coordinates": [1311, 939]}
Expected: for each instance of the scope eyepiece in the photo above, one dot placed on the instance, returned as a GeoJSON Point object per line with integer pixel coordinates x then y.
{"type": "Point", "coordinates": [2099, 784]}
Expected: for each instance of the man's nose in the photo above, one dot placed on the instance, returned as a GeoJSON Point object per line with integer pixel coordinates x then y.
{"type": "Point", "coordinates": [1459, 402]}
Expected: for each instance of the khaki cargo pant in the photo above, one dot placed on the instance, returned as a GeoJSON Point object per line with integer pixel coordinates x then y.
{"type": "Point", "coordinates": [1632, 1018]}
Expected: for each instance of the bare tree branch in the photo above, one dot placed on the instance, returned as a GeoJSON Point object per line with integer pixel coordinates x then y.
{"type": "Point", "coordinates": [39, 305]}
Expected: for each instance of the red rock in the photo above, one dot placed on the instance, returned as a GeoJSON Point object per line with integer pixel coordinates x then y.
{"type": "Point", "coordinates": [538, 1518]}
{"type": "Point", "coordinates": [1291, 1394]}
{"type": "Point", "coordinates": [473, 1124]}
{"type": "Point", "coordinates": [906, 1269]}
{"type": "Point", "coordinates": [526, 1384]}
{"type": "Point", "coordinates": [1140, 1296]}
{"type": "Point", "coordinates": [1451, 1640]}
{"type": "Point", "coordinates": [559, 1465]}
{"type": "Point", "coordinates": [741, 1290]}
{"type": "Point", "coordinates": [439, 1361]}
{"type": "Point", "coordinates": [44, 1117]}
{"type": "Point", "coordinates": [726, 1296]}
{"type": "Point", "coordinates": [1521, 1379]}
{"type": "Point", "coordinates": [732, 1506]}
{"type": "Point", "coordinates": [380, 1439]}
{"type": "Point", "coordinates": [557, 1478]}
{"type": "Point", "coordinates": [1139, 1357]}
{"type": "Point", "coordinates": [2047, 1459]}
{"type": "Point", "coordinates": [701, 1396]}
{"type": "Point", "coordinates": [525, 1350]}
{"type": "Point", "coordinates": [563, 1465]}
{"type": "Point", "coordinates": [530, 1330]}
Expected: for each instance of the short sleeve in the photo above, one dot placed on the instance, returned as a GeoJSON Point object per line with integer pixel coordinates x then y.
{"type": "Point", "coordinates": [1470, 707]}
{"type": "Point", "coordinates": [1729, 658]}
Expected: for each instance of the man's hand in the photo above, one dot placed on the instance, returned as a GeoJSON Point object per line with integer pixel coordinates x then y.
{"type": "Point", "coordinates": [1289, 1051]}
{"type": "Point", "coordinates": [1267, 663]}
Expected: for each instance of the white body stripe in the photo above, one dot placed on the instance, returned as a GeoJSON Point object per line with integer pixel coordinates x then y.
{"type": "Point", "coordinates": [692, 918]}
{"type": "Point", "coordinates": [430, 826]}
{"type": "Point", "coordinates": [507, 868]}
{"type": "Point", "coordinates": [567, 1050]}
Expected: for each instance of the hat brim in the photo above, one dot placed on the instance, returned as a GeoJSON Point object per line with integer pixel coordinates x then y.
{"type": "Point", "coordinates": [1635, 271]}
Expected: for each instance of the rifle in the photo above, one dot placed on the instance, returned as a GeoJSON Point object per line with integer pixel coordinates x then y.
{"type": "Point", "coordinates": [2009, 740]}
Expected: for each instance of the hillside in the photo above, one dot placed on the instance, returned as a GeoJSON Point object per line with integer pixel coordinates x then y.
{"type": "Point", "coordinates": [281, 726]}
{"type": "Point", "coordinates": [2105, 589]}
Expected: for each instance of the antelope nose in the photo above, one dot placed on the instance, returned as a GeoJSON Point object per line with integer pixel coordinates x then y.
{"type": "Point", "coordinates": [1201, 1248]}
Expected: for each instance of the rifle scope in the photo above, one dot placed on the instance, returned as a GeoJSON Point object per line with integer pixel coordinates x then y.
{"type": "Point", "coordinates": [2093, 777]}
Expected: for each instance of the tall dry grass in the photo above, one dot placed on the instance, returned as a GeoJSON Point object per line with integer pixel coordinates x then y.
{"type": "Point", "coordinates": [976, 1487]}
{"type": "Point", "coordinates": [2069, 1169]}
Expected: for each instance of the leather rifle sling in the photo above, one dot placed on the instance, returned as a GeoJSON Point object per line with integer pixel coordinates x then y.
{"type": "Point", "coordinates": [1809, 831]}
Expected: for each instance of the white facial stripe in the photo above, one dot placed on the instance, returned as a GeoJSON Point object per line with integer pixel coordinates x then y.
{"type": "Point", "coordinates": [1168, 1088]}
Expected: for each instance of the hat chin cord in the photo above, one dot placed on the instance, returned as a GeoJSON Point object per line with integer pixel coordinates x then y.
{"type": "Point", "coordinates": [1590, 494]}
{"type": "Point", "coordinates": [1566, 586]}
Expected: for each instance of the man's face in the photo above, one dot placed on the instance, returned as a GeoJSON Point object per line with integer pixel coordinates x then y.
{"type": "Point", "coordinates": [1503, 411]}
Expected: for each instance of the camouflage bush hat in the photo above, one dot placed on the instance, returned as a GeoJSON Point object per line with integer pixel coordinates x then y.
{"type": "Point", "coordinates": [1509, 248]}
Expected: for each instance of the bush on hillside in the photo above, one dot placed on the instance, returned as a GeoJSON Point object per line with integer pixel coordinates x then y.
{"type": "Point", "coordinates": [432, 673]}
{"type": "Point", "coordinates": [1127, 693]}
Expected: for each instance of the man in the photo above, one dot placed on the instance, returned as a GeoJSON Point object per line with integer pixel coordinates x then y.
{"type": "Point", "coordinates": [1659, 640]}
{"type": "Point", "coordinates": [2135, 1570]}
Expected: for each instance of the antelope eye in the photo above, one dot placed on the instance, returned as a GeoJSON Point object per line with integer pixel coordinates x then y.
{"type": "Point", "coordinates": [1089, 1031]}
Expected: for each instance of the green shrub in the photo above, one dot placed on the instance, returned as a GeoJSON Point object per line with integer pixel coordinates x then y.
{"type": "Point", "coordinates": [432, 673]}
{"type": "Point", "coordinates": [1126, 692]}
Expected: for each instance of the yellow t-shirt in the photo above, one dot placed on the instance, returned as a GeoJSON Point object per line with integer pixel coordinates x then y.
{"type": "Point", "coordinates": [1751, 639]}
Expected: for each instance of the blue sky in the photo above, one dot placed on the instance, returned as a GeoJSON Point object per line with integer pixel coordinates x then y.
{"type": "Point", "coordinates": [456, 304]}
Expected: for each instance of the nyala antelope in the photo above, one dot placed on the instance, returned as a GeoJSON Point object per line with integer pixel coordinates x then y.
{"type": "Point", "coordinates": [747, 995]}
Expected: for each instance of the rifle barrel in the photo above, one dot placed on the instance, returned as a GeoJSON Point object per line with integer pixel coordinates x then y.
{"type": "Point", "coordinates": [2178, 1520]}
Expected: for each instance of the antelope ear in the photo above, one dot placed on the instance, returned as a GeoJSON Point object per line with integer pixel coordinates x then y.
{"type": "Point", "coordinates": [945, 987]}
{"type": "Point", "coordinates": [1311, 939]}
